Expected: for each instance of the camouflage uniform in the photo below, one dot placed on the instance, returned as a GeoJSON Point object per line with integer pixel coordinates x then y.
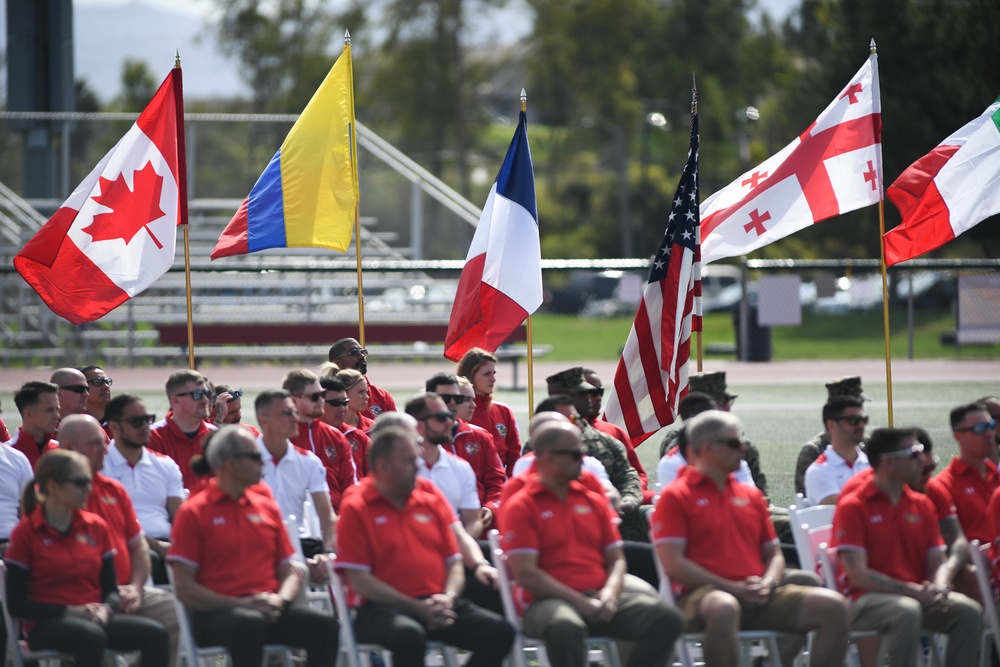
{"type": "Point", "coordinates": [611, 453]}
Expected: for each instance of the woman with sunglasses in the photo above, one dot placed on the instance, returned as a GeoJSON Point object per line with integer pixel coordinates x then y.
{"type": "Point", "coordinates": [61, 572]}
{"type": "Point", "coordinates": [356, 387]}
{"type": "Point", "coordinates": [480, 368]}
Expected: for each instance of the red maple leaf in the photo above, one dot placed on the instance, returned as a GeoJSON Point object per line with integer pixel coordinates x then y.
{"type": "Point", "coordinates": [131, 210]}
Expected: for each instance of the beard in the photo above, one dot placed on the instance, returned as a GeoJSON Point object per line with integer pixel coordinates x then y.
{"type": "Point", "coordinates": [130, 443]}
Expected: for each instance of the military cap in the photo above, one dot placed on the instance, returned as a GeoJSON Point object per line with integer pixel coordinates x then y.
{"type": "Point", "coordinates": [713, 384]}
{"type": "Point", "coordinates": [570, 381]}
{"type": "Point", "coordinates": [846, 386]}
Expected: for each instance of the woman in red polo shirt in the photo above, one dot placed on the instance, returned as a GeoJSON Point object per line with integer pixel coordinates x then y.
{"type": "Point", "coordinates": [480, 368]}
{"type": "Point", "coordinates": [357, 399]}
{"type": "Point", "coordinates": [61, 572]}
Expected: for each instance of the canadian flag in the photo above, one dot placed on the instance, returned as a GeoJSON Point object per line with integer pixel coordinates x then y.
{"type": "Point", "coordinates": [835, 166]}
{"type": "Point", "coordinates": [115, 235]}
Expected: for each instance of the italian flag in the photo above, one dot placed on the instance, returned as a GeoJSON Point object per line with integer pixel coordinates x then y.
{"type": "Point", "coordinates": [948, 191]}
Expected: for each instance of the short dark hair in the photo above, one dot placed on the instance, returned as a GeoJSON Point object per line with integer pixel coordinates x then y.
{"type": "Point", "coordinates": [552, 402]}
{"type": "Point", "coordinates": [339, 348]}
{"type": "Point", "coordinates": [295, 381]}
{"type": "Point", "coordinates": [958, 413]}
{"type": "Point", "coordinates": [695, 403]}
{"type": "Point", "coordinates": [924, 438]}
{"type": "Point", "coordinates": [264, 399]}
{"type": "Point", "coordinates": [116, 406]}
{"type": "Point", "coordinates": [884, 441]}
{"type": "Point", "coordinates": [88, 369]}
{"type": "Point", "coordinates": [417, 405]}
{"type": "Point", "coordinates": [440, 378]}
{"type": "Point", "coordinates": [383, 442]}
{"type": "Point", "coordinates": [836, 405]}
{"type": "Point", "coordinates": [181, 378]}
{"type": "Point", "coordinates": [331, 384]}
{"type": "Point", "coordinates": [31, 392]}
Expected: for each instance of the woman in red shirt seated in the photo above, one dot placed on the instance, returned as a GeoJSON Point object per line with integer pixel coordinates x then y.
{"type": "Point", "coordinates": [61, 572]}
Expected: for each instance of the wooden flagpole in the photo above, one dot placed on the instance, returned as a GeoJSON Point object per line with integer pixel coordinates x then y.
{"type": "Point", "coordinates": [352, 141]}
{"type": "Point", "coordinates": [531, 352]}
{"type": "Point", "coordinates": [885, 282]}
{"type": "Point", "coordinates": [183, 201]}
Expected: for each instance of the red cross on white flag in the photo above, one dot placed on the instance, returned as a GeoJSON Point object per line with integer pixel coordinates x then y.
{"type": "Point", "coordinates": [835, 166]}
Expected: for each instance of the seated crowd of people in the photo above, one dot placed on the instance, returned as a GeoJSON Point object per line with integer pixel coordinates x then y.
{"type": "Point", "coordinates": [107, 513]}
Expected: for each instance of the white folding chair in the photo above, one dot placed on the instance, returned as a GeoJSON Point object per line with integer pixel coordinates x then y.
{"type": "Point", "coordinates": [603, 649]}
{"type": "Point", "coordinates": [814, 538]}
{"type": "Point", "coordinates": [801, 501]}
{"type": "Point", "coordinates": [991, 622]}
{"type": "Point", "coordinates": [17, 650]}
{"type": "Point", "coordinates": [814, 517]}
{"type": "Point", "coordinates": [359, 655]}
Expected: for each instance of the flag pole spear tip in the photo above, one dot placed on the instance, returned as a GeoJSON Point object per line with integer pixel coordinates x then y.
{"type": "Point", "coordinates": [524, 100]}
{"type": "Point", "coordinates": [177, 58]}
{"type": "Point", "coordinates": [347, 37]}
{"type": "Point", "coordinates": [872, 47]}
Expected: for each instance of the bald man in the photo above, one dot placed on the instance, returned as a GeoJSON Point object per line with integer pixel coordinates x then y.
{"type": "Point", "coordinates": [72, 391]}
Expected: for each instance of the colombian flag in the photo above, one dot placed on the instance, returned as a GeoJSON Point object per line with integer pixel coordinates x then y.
{"type": "Point", "coordinates": [307, 196]}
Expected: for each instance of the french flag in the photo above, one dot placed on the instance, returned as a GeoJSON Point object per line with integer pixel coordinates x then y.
{"type": "Point", "coordinates": [501, 284]}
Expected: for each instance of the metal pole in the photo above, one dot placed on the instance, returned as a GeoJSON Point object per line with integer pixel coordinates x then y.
{"type": "Point", "coordinates": [909, 315]}
{"type": "Point", "coordinates": [742, 344]}
{"type": "Point", "coordinates": [416, 220]}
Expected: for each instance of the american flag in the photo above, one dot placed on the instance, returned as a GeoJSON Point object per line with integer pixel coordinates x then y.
{"type": "Point", "coordinates": [652, 374]}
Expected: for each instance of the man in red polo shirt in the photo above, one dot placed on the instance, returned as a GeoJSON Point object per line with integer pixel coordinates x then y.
{"type": "Point", "coordinates": [38, 403]}
{"type": "Point", "coordinates": [109, 500]}
{"type": "Point", "coordinates": [348, 353]}
{"type": "Point", "coordinates": [232, 563]}
{"type": "Point", "coordinates": [182, 433]}
{"type": "Point", "coordinates": [892, 556]}
{"type": "Point", "coordinates": [335, 412]}
{"type": "Point", "coordinates": [716, 541]}
{"type": "Point", "coordinates": [971, 477]}
{"type": "Point", "coordinates": [399, 553]}
{"type": "Point", "coordinates": [566, 555]}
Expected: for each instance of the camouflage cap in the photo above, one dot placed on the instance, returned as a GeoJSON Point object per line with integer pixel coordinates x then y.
{"type": "Point", "coordinates": [846, 386]}
{"type": "Point", "coordinates": [570, 381]}
{"type": "Point", "coordinates": [713, 384]}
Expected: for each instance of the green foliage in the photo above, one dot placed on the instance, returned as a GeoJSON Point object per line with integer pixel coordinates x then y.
{"type": "Point", "coordinates": [138, 85]}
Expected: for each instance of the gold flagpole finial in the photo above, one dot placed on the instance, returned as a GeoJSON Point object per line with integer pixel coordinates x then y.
{"type": "Point", "coordinates": [872, 48]}
{"type": "Point", "coordinates": [347, 37]}
{"type": "Point", "coordinates": [524, 100]}
{"type": "Point", "coordinates": [177, 58]}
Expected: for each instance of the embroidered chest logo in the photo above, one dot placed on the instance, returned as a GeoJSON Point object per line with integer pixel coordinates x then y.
{"type": "Point", "coordinates": [255, 518]}
{"type": "Point", "coordinates": [85, 538]}
{"type": "Point", "coordinates": [354, 445]}
{"type": "Point", "coordinates": [740, 502]}
{"type": "Point", "coordinates": [910, 517]}
{"type": "Point", "coordinates": [381, 520]}
{"type": "Point", "coordinates": [218, 521]}
{"type": "Point", "coordinates": [969, 491]}
{"type": "Point", "coordinates": [420, 517]}
{"type": "Point", "coordinates": [376, 409]}
{"type": "Point", "coordinates": [582, 509]}
{"type": "Point", "coordinates": [876, 518]}
{"type": "Point", "coordinates": [546, 514]}
{"type": "Point", "coordinates": [502, 430]}
{"type": "Point", "coordinates": [472, 448]}
{"type": "Point", "coordinates": [109, 500]}
{"type": "Point", "coordinates": [331, 453]}
{"type": "Point", "coordinates": [701, 502]}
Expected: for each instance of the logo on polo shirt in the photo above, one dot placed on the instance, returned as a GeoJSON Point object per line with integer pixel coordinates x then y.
{"type": "Point", "coordinates": [85, 538]}
{"type": "Point", "coordinates": [546, 514]}
{"type": "Point", "coordinates": [969, 491]}
{"type": "Point", "coordinates": [909, 517]}
{"type": "Point", "coordinates": [109, 500]}
{"type": "Point", "coordinates": [255, 518]}
{"type": "Point", "coordinates": [701, 502]}
{"type": "Point", "coordinates": [472, 448]}
{"type": "Point", "coordinates": [218, 521]}
{"type": "Point", "coordinates": [582, 509]}
{"type": "Point", "coordinates": [331, 452]}
{"type": "Point", "coordinates": [47, 541]}
{"type": "Point", "coordinates": [502, 430]}
{"type": "Point", "coordinates": [376, 410]}
{"type": "Point", "coordinates": [740, 502]}
{"type": "Point", "coordinates": [354, 444]}
{"type": "Point", "coordinates": [381, 520]}
{"type": "Point", "coordinates": [420, 517]}
{"type": "Point", "coordinates": [876, 518]}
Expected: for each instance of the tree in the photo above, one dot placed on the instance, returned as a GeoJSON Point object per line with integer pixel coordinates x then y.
{"type": "Point", "coordinates": [138, 85]}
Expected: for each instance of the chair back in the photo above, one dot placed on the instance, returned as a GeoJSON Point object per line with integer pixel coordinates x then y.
{"type": "Point", "coordinates": [292, 528]}
{"type": "Point", "coordinates": [991, 618]}
{"type": "Point", "coordinates": [506, 584]}
{"type": "Point", "coordinates": [814, 517]}
{"type": "Point", "coordinates": [13, 657]}
{"type": "Point", "coordinates": [186, 646]}
{"type": "Point", "coordinates": [815, 537]}
{"type": "Point", "coordinates": [827, 573]}
{"type": "Point", "coordinates": [801, 502]}
{"type": "Point", "coordinates": [348, 644]}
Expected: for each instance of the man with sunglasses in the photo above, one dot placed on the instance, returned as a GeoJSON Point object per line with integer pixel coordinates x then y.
{"type": "Point", "coordinates": [229, 403]}
{"type": "Point", "coordinates": [845, 420]}
{"type": "Point", "coordinates": [816, 445]}
{"type": "Point", "coordinates": [110, 500]}
{"type": "Point", "coordinates": [893, 555]}
{"type": "Point", "coordinates": [98, 392]}
{"type": "Point", "coordinates": [182, 432]}
{"type": "Point", "coordinates": [38, 404]}
{"type": "Point", "coordinates": [348, 353]}
{"type": "Point", "coordinates": [335, 413]}
{"type": "Point", "coordinates": [153, 481]}
{"type": "Point", "coordinates": [474, 444]}
{"type": "Point", "coordinates": [971, 478]}
{"type": "Point", "coordinates": [73, 389]}
{"type": "Point", "coordinates": [316, 436]}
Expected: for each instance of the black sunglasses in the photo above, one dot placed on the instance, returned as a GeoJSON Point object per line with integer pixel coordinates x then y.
{"type": "Point", "coordinates": [576, 454]}
{"type": "Point", "coordinates": [439, 416]}
{"type": "Point", "coordinates": [198, 394]}
{"type": "Point", "coordinates": [234, 394]}
{"type": "Point", "coordinates": [356, 352]}
{"type": "Point", "coordinates": [76, 388]}
{"type": "Point", "coordinates": [138, 420]}
{"type": "Point", "coordinates": [457, 399]}
{"type": "Point", "coordinates": [97, 382]}
{"type": "Point", "coordinates": [735, 443]}
{"type": "Point", "coordinates": [854, 420]}
{"type": "Point", "coordinates": [980, 428]}
{"type": "Point", "coordinates": [338, 402]}
{"type": "Point", "coordinates": [80, 482]}
{"type": "Point", "coordinates": [312, 397]}
{"type": "Point", "coordinates": [253, 456]}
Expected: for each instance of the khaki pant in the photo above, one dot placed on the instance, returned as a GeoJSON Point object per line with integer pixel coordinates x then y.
{"type": "Point", "coordinates": [899, 619]}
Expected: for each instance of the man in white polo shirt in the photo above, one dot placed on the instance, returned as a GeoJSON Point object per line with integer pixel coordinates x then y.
{"type": "Point", "coordinates": [15, 472]}
{"type": "Point", "coordinates": [452, 475]}
{"type": "Point", "coordinates": [845, 420]}
{"type": "Point", "coordinates": [294, 474]}
{"type": "Point", "coordinates": [153, 480]}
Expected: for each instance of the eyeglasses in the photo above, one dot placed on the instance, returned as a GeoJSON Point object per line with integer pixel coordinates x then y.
{"type": "Point", "coordinates": [253, 456]}
{"type": "Point", "coordinates": [97, 382]}
{"type": "Point", "coordinates": [913, 452]}
{"type": "Point", "coordinates": [575, 454]}
{"type": "Point", "coordinates": [725, 402]}
{"type": "Point", "coordinates": [854, 420]}
{"type": "Point", "coordinates": [76, 388]}
{"type": "Point", "coordinates": [597, 391]}
{"type": "Point", "coordinates": [438, 416]}
{"type": "Point", "coordinates": [457, 399]}
{"type": "Point", "coordinates": [734, 443]}
{"type": "Point", "coordinates": [198, 394]}
{"type": "Point", "coordinates": [980, 428]}
{"type": "Point", "coordinates": [311, 397]}
{"type": "Point", "coordinates": [338, 402]}
{"type": "Point", "coordinates": [356, 352]}
{"type": "Point", "coordinates": [79, 482]}
{"type": "Point", "coordinates": [234, 394]}
{"type": "Point", "coordinates": [288, 412]}
{"type": "Point", "coordinates": [138, 420]}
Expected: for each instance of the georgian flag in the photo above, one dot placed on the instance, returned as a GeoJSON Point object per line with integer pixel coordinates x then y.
{"type": "Point", "coordinates": [115, 235]}
{"type": "Point", "coordinates": [835, 166]}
